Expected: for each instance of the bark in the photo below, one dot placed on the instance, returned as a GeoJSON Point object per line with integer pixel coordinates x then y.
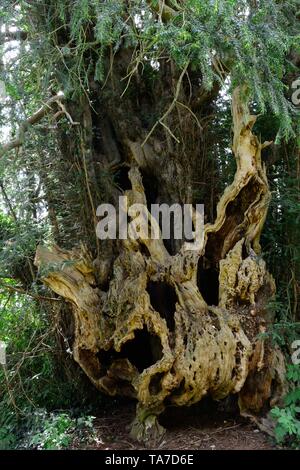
{"type": "Point", "coordinates": [167, 329]}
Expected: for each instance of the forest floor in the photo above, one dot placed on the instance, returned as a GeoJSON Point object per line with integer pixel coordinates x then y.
{"type": "Point", "coordinates": [187, 429]}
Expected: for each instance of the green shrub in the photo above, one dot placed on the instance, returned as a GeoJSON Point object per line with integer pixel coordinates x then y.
{"type": "Point", "coordinates": [55, 433]}
{"type": "Point", "coordinates": [287, 430]}
{"type": "Point", "coordinates": [36, 378]}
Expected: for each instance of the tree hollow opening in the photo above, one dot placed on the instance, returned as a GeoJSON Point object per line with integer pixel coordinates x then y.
{"type": "Point", "coordinates": [144, 350]}
{"type": "Point", "coordinates": [208, 283]}
{"type": "Point", "coordinates": [163, 299]}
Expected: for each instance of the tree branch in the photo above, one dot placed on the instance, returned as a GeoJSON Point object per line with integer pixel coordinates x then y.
{"type": "Point", "coordinates": [19, 290]}
{"type": "Point", "coordinates": [36, 117]}
{"type": "Point", "coordinates": [166, 114]}
{"type": "Point", "coordinates": [164, 11]}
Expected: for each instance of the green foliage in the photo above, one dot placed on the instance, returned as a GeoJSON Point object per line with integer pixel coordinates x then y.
{"type": "Point", "coordinates": [35, 377]}
{"type": "Point", "coordinates": [82, 36]}
{"type": "Point", "coordinates": [281, 237]}
{"type": "Point", "coordinates": [287, 419]}
{"type": "Point", "coordinates": [8, 431]}
{"type": "Point", "coordinates": [50, 432]}
{"type": "Point", "coordinates": [18, 245]}
{"type": "Point", "coordinates": [284, 332]}
{"type": "Point", "coordinates": [56, 431]}
{"type": "Point", "coordinates": [41, 430]}
{"type": "Point", "coordinates": [6, 229]}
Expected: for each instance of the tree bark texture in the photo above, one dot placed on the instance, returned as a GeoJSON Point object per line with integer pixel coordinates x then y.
{"type": "Point", "coordinates": [166, 325]}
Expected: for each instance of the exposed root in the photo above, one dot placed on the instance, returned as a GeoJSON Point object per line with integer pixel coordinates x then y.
{"type": "Point", "coordinates": [146, 428]}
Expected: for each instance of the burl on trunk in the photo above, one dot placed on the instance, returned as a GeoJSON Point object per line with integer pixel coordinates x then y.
{"type": "Point", "coordinates": [150, 334]}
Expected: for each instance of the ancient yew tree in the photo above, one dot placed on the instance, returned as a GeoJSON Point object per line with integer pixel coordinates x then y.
{"type": "Point", "coordinates": [145, 84]}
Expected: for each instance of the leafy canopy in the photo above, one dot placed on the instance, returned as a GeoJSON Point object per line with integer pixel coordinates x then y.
{"type": "Point", "coordinates": [251, 40]}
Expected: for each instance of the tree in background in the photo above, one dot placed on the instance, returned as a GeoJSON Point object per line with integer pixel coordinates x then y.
{"type": "Point", "coordinates": [144, 113]}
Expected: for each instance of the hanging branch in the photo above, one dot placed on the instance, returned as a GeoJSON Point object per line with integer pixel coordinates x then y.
{"type": "Point", "coordinates": [19, 290]}
{"type": "Point", "coordinates": [35, 118]}
{"type": "Point", "coordinates": [172, 105]}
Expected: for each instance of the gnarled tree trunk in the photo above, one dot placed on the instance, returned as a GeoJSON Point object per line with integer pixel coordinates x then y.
{"type": "Point", "coordinates": [167, 325]}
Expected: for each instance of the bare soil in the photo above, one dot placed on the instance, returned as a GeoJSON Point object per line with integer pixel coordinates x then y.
{"type": "Point", "coordinates": [194, 428]}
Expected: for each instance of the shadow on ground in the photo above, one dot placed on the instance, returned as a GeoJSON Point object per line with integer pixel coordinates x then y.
{"type": "Point", "coordinates": [208, 425]}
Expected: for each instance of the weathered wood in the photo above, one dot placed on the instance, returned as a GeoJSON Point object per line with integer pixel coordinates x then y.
{"type": "Point", "coordinates": [152, 335]}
